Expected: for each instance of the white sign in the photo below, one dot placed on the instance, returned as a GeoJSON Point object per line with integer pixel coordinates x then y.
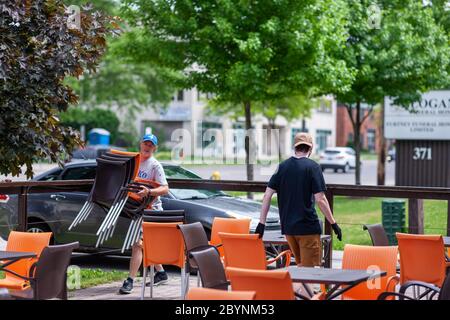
{"type": "Point", "coordinates": [427, 119]}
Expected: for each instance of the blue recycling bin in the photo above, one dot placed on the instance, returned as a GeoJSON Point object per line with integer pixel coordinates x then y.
{"type": "Point", "coordinates": [99, 136]}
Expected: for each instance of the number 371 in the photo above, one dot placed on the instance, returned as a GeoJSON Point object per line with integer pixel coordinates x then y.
{"type": "Point", "coordinates": [422, 154]}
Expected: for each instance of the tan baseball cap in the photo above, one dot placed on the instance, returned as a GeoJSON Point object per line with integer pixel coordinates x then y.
{"type": "Point", "coordinates": [303, 138]}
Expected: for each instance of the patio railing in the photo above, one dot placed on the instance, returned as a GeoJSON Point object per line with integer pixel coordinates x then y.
{"type": "Point", "coordinates": [415, 216]}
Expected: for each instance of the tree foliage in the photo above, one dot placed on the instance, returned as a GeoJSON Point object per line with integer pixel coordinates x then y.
{"type": "Point", "coordinates": [38, 50]}
{"type": "Point", "coordinates": [243, 51]}
{"type": "Point", "coordinates": [76, 117]}
{"type": "Point", "coordinates": [404, 56]}
{"type": "Point", "coordinates": [120, 83]}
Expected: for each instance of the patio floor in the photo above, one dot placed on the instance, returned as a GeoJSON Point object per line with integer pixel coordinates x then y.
{"type": "Point", "coordinates": [168, 291]}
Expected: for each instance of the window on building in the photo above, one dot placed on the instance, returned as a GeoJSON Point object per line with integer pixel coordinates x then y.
{"type": "Point", "coordinates": [350, 138]}
{"type": "Point", "coordinates": [201, 129]}
{"type": "Point", "coordinates": [371, 140]}
{"type": "Point", "coordinates": [323, 139]}
{"type": "Point", "coordinates": [180, 95]}
{"type": "Point", "coordinates": [238, 138]}
{"type": "Point", "coordinates": [324, 106]}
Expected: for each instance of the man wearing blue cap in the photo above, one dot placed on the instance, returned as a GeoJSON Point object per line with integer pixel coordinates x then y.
{"type": "Point", "coordinates": [149, 169]}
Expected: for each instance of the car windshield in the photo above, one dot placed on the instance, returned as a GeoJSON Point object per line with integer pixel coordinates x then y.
{"type": "Point", "coordinates": [176, 172]}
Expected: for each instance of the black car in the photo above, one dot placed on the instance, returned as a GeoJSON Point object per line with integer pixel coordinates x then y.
{"type": "Point", "coordinates": [55, 211]}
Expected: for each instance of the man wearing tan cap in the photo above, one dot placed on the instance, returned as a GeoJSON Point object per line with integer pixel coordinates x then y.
{"type": "Point", "coordinates": [299, 184]}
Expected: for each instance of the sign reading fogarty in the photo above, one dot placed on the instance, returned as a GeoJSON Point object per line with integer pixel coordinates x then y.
{"type": "Point", "coordinates": [427, 119]}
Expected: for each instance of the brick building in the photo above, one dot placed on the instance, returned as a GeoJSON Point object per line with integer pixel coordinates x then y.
{"type": "Point", "coordinates": [369, 129]}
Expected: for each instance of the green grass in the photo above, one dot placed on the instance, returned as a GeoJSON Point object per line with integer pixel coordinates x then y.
{"type": "Point", "coordinates": [95, 277]}
{"type": "Point", "coordinates": [353, 213]}
{"type": "Point", "coordinates": [92, 277]}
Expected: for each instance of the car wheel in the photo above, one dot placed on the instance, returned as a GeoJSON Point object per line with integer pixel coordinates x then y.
{"type": "Point", "coordinates": [346, 168]}
{"type": "Point", "coordinates": [37, 227]}
{"type": "Point", "coordinates": [335, 170]}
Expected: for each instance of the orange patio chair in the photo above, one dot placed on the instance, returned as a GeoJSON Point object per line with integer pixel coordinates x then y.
{"type": "Point", "coordinates": [247, 251]}
{"type": "Point", "coordinates": [216, 294]}
{"type": "Point", "coordinates": [422, 258]}
{"type": "Point", "coordinates": [268, 284]}
{"type": "Point", "coordinates": [229, 225]}
{"type": "Point", "coordinates": [23, 242]}
{"type": "Point", "coordinates": [163, 244]}
{"type": "Point", "coordinates": [381, 258]}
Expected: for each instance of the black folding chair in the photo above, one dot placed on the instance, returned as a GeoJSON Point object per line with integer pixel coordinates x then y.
{"type": "Point", "coordinates": [115, 179]}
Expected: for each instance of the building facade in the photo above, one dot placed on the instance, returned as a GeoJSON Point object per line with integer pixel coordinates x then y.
{"type": "Point", "coordinates": [211, 135]}
{"type": "Point", "coordinates": [369, 129]}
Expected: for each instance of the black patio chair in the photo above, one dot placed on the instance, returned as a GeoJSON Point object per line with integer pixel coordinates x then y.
{"type": "Point", "coordinates": [210, 267]}
{"type": "Point", "coordinates": [49, 274]}
{"type": "Point", "coordinates": [377, 234]}
{"type": "Point", "coordinates": [430, 291]}
{"type": "Point", "coordinates": [195, 239]}
{"type": "Point", "coordinates": [113, 190]}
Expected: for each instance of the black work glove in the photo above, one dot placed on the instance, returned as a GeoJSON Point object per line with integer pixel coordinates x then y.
{"type": "Point", "coordinates": [337, 231]}
{"type": "Point", "coordinates": [260, 229]}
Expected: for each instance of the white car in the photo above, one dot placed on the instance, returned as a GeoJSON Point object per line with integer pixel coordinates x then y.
{"type": "Point", "coordinates": [338, 158]}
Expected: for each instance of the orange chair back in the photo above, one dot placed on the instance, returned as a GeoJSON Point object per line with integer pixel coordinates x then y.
{"type": "Point", "coordinates": [137, 155]}
{"type": "Point", "coordinates": [229, 225]}
{"type": "Point", "coordinates": [243, 251]}
{"type": "Point", "coordinates": [370, 258]}
{"type": "Point", "coordinates": [268, 284]}
{"type": "Point", "coordinates": [215, 294]}
{"type": "Point", "coordinates": [163, 244]}
{"type": "Point", "coordinates": [422, 258]}
{"type": "Point", "coordinates": [23, 242]}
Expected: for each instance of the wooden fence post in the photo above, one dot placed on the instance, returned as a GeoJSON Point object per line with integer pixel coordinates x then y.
{"type": "Point", "coordinates": [448, 218]}
{"type": "Point", "coordinates": [328, 230]}
{"type": "Point", "coordinates": [22, 209]}
{"type": "Point", "coordinates": [415, 216]}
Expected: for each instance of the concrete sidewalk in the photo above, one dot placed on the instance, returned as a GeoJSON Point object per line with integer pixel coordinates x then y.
{"type": "Point", "coordinates": [168, 291]}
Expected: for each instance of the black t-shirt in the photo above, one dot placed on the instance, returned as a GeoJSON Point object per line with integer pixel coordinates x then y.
{"type": "Point", "coordinates": [296, 181]}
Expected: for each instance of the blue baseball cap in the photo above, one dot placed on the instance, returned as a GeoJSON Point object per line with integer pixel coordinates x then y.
{"type": "Point", "coordinates": [150, 137]}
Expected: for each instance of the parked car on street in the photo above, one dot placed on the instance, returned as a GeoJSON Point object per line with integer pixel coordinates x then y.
{"type": "Point", "coordinates": [391, 155]}
{"type": "Point", "coordinates": [92, 151]}
{"type": "Point", "coordinates": [338, 158]}
{"type": "Point", "coordinates": [55, 211]}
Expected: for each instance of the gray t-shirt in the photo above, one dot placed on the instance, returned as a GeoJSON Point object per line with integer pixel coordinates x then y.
{"type": "Point", "coordinates": [151, 169]}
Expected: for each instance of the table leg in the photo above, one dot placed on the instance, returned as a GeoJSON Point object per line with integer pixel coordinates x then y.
{"type": "Point", "coordinates": [335, 292]}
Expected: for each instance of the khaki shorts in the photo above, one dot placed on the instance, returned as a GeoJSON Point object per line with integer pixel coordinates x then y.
{"type": "Point", "coordinates": [307, 249]}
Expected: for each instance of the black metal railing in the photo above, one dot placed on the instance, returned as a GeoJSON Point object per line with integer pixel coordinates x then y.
{"type": "Point", "coordinates": [415, 220]}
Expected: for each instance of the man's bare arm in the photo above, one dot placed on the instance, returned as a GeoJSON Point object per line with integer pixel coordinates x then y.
{"type": "Point", "coordinates": [324, 206]}
{"type": "Point", "coordinates": [266, 204]}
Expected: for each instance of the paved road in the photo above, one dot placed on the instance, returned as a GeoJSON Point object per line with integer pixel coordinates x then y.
{"type": "Point", "coordinates": [262, 173]}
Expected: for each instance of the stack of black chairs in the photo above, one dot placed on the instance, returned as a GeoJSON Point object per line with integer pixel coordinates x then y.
{"type": "Point", "coordinates": [114, 190]}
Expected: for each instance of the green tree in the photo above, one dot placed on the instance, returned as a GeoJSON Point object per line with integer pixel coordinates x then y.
{"type": "Point", "coordinates": [243, 51]}
{"type": "Point", "coordinates": [290, 108]}
{"type": "Point", "coordinates": [38, 50]}
{"type": "Point", "coordinates": [120, 83]}
{"type": "Point", "coordinates": [76, 117]}
{"type": "Point", "coordinates": [398, 51]}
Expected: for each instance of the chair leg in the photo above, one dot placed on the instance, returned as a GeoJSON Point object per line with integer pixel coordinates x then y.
{"type": "Point", "coordinates": [152, 276]}
{"type": "Point", "coordinates": [198, 279]}
{"type": "Point", "coordinates": [144, 277]}
{"type": "Point", "coordinates": [183, 282]}
{"type": "Point", "coordinates": [186, 289]}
